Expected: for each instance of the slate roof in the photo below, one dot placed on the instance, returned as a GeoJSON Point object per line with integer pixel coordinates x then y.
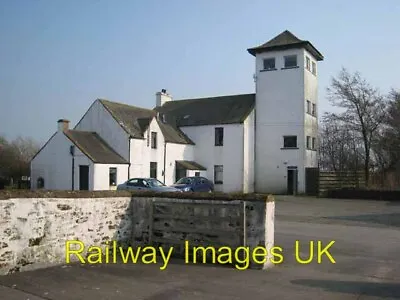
{"type": "Point", "coordinates": [208, 111]}
{"type": "Point", "coordinates": [188, 112]}
{"type": "Point", "coordinates": [94, 147]}
{"type": "Point", "coordinates": [173, 134]}
{"type": "Point", "coordinates": [134, 120]}
{"type": "Point", "coordinates": [286, 40]}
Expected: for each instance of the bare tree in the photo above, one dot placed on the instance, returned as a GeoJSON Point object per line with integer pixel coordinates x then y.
{"type": "Point", "coordinates": [339, 148]}
{"type": "Point", "coordinates": [15, 156]}
{"type": "Point", "coordinates": [391, 133]}
{"type": "Point", "coordinates": [7, 158]}
{"type": "Point", "coordinates": [363, 109]}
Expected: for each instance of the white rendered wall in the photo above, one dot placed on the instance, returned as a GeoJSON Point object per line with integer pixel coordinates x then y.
{"type": "Point", "coordinates": [142, 154]}
{"type": "Point", "coordinates": [54, 164]}
{"type": "Point", "coordinates": [230, 155]}
{"type": "Point", "coordinates": [99, 120]}
{"type": "Point", "coordinates": [191, 173]}
{"type": "Point", "coordinates": [311, 122]}
{"type": "Point", "coordinates": [177, 152]}
{"type": "Point", "coordinates": [102, 175]}
{"type": "Point", "coordinates": [279, 112]}
{"type": "Point", "coordinates": [248, 143]}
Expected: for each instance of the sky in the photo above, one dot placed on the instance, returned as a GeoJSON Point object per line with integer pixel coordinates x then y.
{"type": "Point", "coordinates": [57, 57]}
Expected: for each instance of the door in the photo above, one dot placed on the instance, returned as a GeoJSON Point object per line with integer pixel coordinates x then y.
{"type": "Point", "coordinates": [179, 172]}
{"type": "Point", "coordinates": [153, 170]}
{"type": "Point", "coordinates": [84, 178]}
{"type": "Point", "coordinates": [292, 180]}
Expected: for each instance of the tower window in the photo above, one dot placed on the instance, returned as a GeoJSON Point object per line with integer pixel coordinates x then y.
{"type": "Point", "coordinates": [313, 145]}
{"type": "Point", "coordinates": [313, 111]}
{"type": "Point", "coordinates": [290, 141]}
{"type": "Point", "coordinates": [290, 61]}
{"type": "Point", "coordinates": [269, 63]}
{"type": "Point", "coordinates": [308, 106]}
{"type": "Point", "coordinates": [308, 63]}
{"type": "Point", "coordinates": [308, 142]}
{"type": "Point", "coordinates": [314, 68]}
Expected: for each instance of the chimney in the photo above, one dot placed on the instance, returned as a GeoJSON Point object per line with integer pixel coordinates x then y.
{"type": "Point", "coordinates": [162, 97]}
{"type": "Point", "coordinates": [63, 125]}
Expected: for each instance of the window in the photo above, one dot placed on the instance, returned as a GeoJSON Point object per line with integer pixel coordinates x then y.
{"type": "Point", "coordinates": [154, 140]}
{"type": "Point", "coordinates": [218, 174]}
{"type": "Point", "coordinates": [308, 142]}
{"type": "Point", "coordinates": [308, 63]}
{"type": "Point", "coordinates": [313, 111]}
{"type": "Point", "coordinates": [290, 61]}
{"type": "Point", "coordinates": [290, 141]}
{"type": "Point", "coordinates": [153, 169]}
{"type": "Point", "coordinates": [112, 175]}
{"type": "Point", "coordinates": [40, 183]}
{"type": "Point", "coordinates": [313, 146]}
{"type": "Point", "coordinates": [269, 64]}
{"type": "Point", "coordinates": [308, 106]}
{"type": "Point", "coordinates": [314, 68]}
{"type": "Point", "coordinates": [219, 136]}
{"type": "Point", "coordinates": [197, 174]}
{"type": "Point", "coordinates": [133, 182]}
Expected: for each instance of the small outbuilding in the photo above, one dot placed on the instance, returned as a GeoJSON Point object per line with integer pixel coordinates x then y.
{"type": "Point", "coordinates": [77, 160]}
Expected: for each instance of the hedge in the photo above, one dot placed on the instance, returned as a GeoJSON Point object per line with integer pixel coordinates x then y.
{"type": "Point", "coordinates": [367, 194]}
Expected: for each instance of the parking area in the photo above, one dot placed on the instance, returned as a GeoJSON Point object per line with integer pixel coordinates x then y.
{"type": "Point", "coordinates": [366, 249]}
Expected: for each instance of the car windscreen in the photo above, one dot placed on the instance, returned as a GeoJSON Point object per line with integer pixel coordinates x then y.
{"type": "Point", "coordinates": [154, 183]}
{"type": "Point", "coordinates": [185, 180]}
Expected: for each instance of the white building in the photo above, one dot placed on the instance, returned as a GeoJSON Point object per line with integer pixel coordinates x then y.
{"type": "Point", "coordinates": [260, 142]}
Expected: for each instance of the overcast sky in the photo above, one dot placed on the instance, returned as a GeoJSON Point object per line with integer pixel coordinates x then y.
{"type": "Point", "coordinates": [57, 57]}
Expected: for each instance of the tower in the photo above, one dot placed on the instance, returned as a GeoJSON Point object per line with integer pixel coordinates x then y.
{"type": "Point", "coordinates": [286, 113]}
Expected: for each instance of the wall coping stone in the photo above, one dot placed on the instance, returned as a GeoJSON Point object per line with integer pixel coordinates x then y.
{"type": "Point", "coordinates": [12, 194]}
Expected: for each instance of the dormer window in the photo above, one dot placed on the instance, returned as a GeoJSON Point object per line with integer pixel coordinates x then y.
{"type": "Point", "coordinates": [290, 61]}
{"type": "Point", "coordinates": [269, 63]}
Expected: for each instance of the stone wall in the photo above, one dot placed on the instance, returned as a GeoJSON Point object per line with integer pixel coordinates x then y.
{"type": "Point", "coordinates": [216, 223]}
{"type": "Point", "coordinates": [34, 231]}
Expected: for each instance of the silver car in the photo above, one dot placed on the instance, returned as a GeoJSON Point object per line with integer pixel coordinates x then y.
{"type": "Point", "coordinates": [146, 184]}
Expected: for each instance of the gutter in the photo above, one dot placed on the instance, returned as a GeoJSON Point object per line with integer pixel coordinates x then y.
{"type": "Point", "coordinates": [72, 151]}
{"type": "Point", "coordinates": [129, 158]}
{"type": "Point", "coordinates": [165, 158]}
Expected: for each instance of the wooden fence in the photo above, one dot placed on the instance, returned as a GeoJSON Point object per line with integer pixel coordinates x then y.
{"type": "Point", "coordinates": [318, 183]}
{"type": "Point", "coordinates": [337, 180]}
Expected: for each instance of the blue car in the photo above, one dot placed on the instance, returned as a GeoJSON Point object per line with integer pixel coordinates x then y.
{"type": "Point", "coordinates": [194, 184]}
